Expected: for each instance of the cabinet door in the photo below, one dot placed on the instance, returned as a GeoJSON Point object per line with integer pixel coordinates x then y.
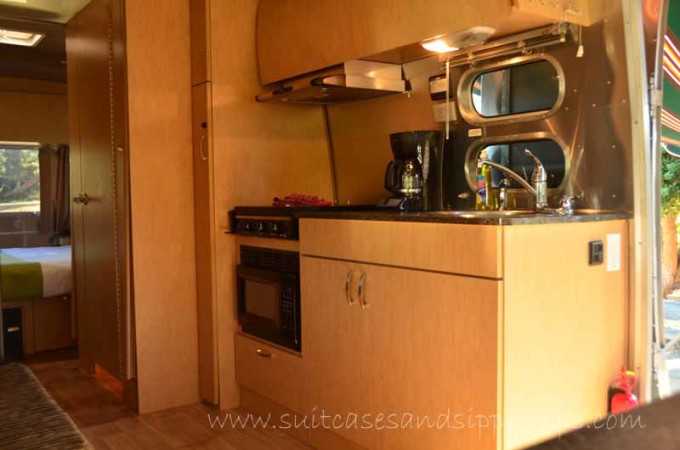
{"type": "Point", "coordinates": [429, 355]}
{"type": "Point", "coordinates": [204, 229]}
{"type": "Point", "coordinates": [331, 344]}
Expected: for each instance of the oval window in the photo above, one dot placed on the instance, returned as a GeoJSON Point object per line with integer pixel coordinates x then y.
{"type": "Point", "coordinates": [511, 155]}
{"type": "Point", "coordinates": [518, 89]}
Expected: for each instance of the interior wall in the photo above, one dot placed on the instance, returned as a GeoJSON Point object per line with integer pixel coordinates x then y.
{"type": "Point", "coordinates": [360, 133]}
{"type": "Point", "coordinates": [161, 191]}
{"type": "Point", "coordinates": [33, 111]}
{"type": "Point", "coordinates": [260, 151]}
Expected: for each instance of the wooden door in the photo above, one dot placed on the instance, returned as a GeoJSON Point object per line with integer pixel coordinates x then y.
{"type": "Point", "coordinates": [331, 344]}
{"type": "Point", "coordinates": [429, 354]}
{"type": "Point", "coordinates": [205, 241]}
{"type": "Point", "coordinates": [96, 176]}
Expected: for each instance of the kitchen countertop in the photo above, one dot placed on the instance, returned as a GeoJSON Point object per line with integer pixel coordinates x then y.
{"type": "Point", "coordinates": [465, 217]}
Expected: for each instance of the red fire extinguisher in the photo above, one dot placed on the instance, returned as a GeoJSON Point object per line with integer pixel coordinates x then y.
{"type": "Point", "coordinates": [625, 400]}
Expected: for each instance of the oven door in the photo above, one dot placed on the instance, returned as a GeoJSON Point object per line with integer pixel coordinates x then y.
{"type": "Point", "coordinates": [259, 302]}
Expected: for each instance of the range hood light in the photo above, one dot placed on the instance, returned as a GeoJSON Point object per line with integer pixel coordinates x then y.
{"type": "Point", "coordinates": [21, 38]}
{"type": "Point", "coordinates": [455, 41]}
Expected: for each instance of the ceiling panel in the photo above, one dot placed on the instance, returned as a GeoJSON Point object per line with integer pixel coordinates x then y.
{"type": "Point", "coordinates": [60, 11]}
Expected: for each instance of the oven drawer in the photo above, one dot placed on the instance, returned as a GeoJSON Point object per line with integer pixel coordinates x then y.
{"type": "Point", "coordinates": [269, 371]}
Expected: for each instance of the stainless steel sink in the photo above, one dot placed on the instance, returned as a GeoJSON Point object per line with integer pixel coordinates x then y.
{"type": "Point", "coordinates": [592, 212]}
{"type": "Point", "coordinates": [486, 214]}
{"type": "Point", "coordinates": [473, 214]}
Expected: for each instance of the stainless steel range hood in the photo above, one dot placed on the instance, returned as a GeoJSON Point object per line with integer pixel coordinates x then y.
{"type": "Point", "coordinates": [349, 82]}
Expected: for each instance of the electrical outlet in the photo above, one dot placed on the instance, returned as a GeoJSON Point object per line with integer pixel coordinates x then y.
{"type": "Point", "coordinates": [439, 112]}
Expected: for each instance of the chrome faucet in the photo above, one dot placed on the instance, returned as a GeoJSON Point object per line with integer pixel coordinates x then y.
{"type": "Point", "coordinates": [539, 180]}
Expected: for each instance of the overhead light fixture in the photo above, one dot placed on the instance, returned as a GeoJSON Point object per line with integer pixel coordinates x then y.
{"type": "Point", "coordinates": [437, 45]}
{"type": "Point", "coordinates": [22, 38]}
{"type": "Point", "coordinates": [446, 43]}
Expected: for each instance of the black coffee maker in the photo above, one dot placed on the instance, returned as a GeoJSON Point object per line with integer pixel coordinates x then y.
{"type": "Point", "coordinates": [414, 175]}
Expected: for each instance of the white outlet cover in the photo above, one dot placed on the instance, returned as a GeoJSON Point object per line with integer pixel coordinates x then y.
{"type": "Point", "coordinates": [439, 112]}
{"type": "Point", "coordinates": [613, 252]}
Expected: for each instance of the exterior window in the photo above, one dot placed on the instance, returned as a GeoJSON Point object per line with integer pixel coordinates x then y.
{"type": "Point", "coordinates": [19, 178]}
{"type": "Point", "coordinates": [19, 188]}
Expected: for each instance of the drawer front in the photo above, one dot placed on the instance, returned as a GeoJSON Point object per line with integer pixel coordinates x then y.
{"type": "Point", "coordinates": [443, 247]}
{"type": "Point", "coordinates": [270, 372]}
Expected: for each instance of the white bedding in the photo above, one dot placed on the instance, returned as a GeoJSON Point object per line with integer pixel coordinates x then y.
{"type": "Point", "coordinates": [55, 263]}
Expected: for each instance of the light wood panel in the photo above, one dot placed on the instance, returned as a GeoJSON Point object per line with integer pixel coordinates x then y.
{"type": "Point", "coordinates": [271, 372]}
{"type": "Point", "coordinates": [260, 151]}
{"type": "Point", "coordinates": [225, 300]}
{"type": "Point", "coordinates": [423, 347]}
{"type": "Point", "coordinates": [199, 11]}
{"type": "Point", "coordinates": [565, 328]}
{"type": "Point", "coordinates": [205, 241]}
{"type": "Point", "coordinates": [429, 349]}
{"type": "Point", "coordinates": [161, 190]}
{"type": "Point", "coordinates": [296, 37]}
{"type": "Point", "coordinates": [335, 381]}
{"type": "Point", "coordinates": [462, 249]}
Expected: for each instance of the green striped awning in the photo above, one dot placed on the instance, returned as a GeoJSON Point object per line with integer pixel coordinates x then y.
{"type": "Point", "coordinates": [670, 115]}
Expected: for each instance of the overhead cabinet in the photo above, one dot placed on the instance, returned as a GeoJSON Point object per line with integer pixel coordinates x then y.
{"type": "Point", "coordinates": [296, 37]}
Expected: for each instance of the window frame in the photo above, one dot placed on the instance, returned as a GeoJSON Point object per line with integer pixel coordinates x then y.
{"type": "Point", "coordinates": [467, 80]}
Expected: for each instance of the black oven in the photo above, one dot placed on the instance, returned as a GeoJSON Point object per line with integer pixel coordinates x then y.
{"type": "Point", "coordinates": [268, 293]}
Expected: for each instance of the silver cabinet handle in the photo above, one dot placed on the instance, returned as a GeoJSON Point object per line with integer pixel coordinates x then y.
{"type": "Point", "coordinates": [361, 291]}
{"type": "Point", "coordinates": [348, 288]}
{"type": "Point", "coordinates": [81, 199]}
{"type": "Point", "coordinates": [263, 353]}
{"type": "Point", "coordinates": [200, 148]}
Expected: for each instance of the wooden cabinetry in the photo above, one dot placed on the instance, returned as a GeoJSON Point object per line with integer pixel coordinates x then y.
{"type": "Point", "coordinates": [199, 13]}
{"type": "Point", "coordinates": [205, 240]}
{"type": "Point", "coordinates": [269, 371]}
{"type": "Point", "coordinates": [388, 345]}
{"type": "Point", "coordinates": [300, 36]}
{"type": "Point", "coordinates": [99, 169]}
{"type": "Point", "coordinates": [405, 324]}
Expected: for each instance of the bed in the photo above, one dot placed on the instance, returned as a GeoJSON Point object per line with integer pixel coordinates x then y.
{"type": "Point", "coordinates": [35, 272]}
{"type": "Point", "coordinates": [39, 281]}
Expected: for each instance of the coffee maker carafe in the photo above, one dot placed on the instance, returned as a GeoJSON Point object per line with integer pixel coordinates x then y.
{"type": "Point", "coordinates": [415, 172]}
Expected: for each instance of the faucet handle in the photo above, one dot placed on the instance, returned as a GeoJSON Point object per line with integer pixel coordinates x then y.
{"type": "Point", "coordinates": [540, 175]}
{"type": "Point", "coordinates": [567, 203]}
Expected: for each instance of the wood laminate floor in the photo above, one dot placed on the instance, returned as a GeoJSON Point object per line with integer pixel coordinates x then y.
{"type": "Point", "coordinates": [108, 424]}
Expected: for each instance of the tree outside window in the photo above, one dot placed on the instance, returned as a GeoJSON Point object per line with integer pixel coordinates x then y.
{"type": "Point", "coordinates": [19, 179]}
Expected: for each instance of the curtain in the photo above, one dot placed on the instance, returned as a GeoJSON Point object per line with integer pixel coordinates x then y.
{"type": "Point", "coordinates": [55, 211]}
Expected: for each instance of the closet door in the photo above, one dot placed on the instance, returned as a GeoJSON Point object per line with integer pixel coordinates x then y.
{"type": "Point", "coordinates": [97, 178]}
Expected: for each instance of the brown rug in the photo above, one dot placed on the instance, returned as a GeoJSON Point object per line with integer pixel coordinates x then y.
{"type": "Point", "coordinates": [29, 418]}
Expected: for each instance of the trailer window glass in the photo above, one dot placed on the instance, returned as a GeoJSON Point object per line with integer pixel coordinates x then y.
{"type": "Point", "coordinates": [518, 89]}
